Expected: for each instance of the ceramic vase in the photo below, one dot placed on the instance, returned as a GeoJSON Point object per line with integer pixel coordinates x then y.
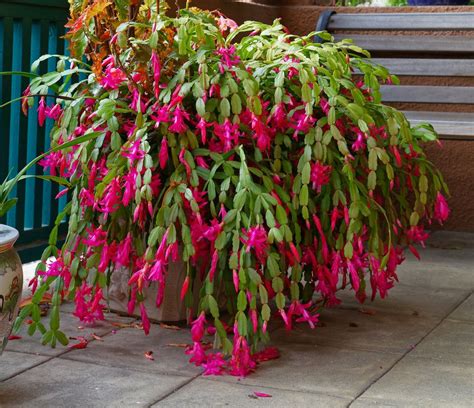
{"type": "Point", "coordinates": [11, 282]}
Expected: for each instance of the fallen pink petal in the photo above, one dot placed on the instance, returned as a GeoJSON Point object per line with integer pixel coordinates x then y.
{"type": "Point", "coordinates": [261, 394]}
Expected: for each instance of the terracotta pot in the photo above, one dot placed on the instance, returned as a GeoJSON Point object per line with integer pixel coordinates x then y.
{"type": "Point", "coordinates": [11, 282]}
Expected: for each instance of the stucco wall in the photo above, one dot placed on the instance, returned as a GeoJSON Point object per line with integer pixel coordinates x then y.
{"type": "Point", "coordinates": [455, 158]}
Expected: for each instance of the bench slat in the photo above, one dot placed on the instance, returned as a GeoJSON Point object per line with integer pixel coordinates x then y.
{"type": "Point", "coordinates": [449, 125]}
{"type": "Point", "coordinates": [428, 94]}
{"type": "Point", "coordinates": [428, 66]}
{"type": "Point", "coordinates": [411, 43]}
{"type": "Point", "coordinates": [404, 21]}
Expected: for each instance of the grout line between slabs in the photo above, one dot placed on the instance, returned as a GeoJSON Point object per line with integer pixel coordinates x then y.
{"type": "Point", "coordinates": [44, 361]}
{"type": "Point", "coordinates": [270, 387]}
{"type": "Point", "coordinates": [409, 351]}
{"type": "Point", "coordinates": [180, 387]}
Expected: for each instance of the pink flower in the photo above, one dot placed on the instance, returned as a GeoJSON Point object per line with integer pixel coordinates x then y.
{"type": "Point", "coordinates": [355, 279]}
{"type": "Point", "coordinates": [145, 320]}
{"type": "Point", "coordinates": [226, 24]}
{"type": "Point", "coordinates": [184, 288]}
{"type": "Point", "coordinates": [134, 152]}
{"type": "Point", "coordinates": [24, 102]}
{"type": "Point", "coordinates": [111, 197]}
{"type": "Point", "coordinates": [106, 255]}
{"type": "Point", "coordinates": [139, 277]}
{"type": "Point", "coordinates": [140, 213]}
{"type": "Point", "coordinates": [54, 112]}
{"type": "Point", "coordinates": [178, 125]}
{"type": "Point", "coordinates": [285, 319]}
{"type": "Point", "coordinates": [176, 97]}
{"type": "Point", "coordinates": [254, 320]}
{"type": "Point", "coordinates": [256, 238]}
{"type": "Point", "coordinates": [214, 260]}
{"type": "Point", "coordinates": [320, 175]}
{"type": "Point", "coordinates": [160, 115]}
{"type": "Point", "coordinates": [441, 208]}
{"type": "Point", "coordinates": [267, 354]}
{"type": "Point", "coordinates": [59, 269]}
{"type": "Point", "coordinates": [280, 117]}
{"type": "Point", "coordinates": [198, 327]}
{"type": "Point", "coordinates": [303, 122]}
{"type": "Point", "coordinates": [198, 355]}
{"type": "Point", "coordinates": [185, 163]}
{"type": "Point", "coordinates": [113, 77]}
{"type": "Point", "coordinates": [124, 251]}
{"type": "Point", "coordinates": [214, 365]}
{"type": "Point", "coordinates": [359, 144]}
{"type": "Point", "coordinates": [297, 308]}
{"type": "Point", "coordinates": [241, 363]}
{"type": "Point", "coordinates": [334, 217]}
{"type": "Point", "coordinates": [380, 280]}
{"type": "Point", "coordinates": [130, 186]}
{"type": "Point", "coordinates": [261, 133]}
{"type": "Point", "coordinates": [228, 134]}
{"type": "Point", "coordinates": [417, 234]}
{"type": "Point", "coordinates": [163, 152]}
{"type": "Point", "coordinates": [156, 68]}
{"type": "Point", "coordinates": [215, 90]}
{"type": "Point", "coordinates": [201, 162]}
{"type": "Point", "coordinates": [88, 304]}
{"type": "Point", "coordinates": [202, 127]}
{"type": "Point", "coordinates": [235, 279]}
{"type": "Point", "coordinates": [53, 161]}
{"type": "Point", "coordinates": [41, 111]}
{"type": "Point", "coordinates": [228, 58]}
{"type": "Point", "coordinates": [138, 104]}
{"type": "Point", "coordinates": [97, 237]}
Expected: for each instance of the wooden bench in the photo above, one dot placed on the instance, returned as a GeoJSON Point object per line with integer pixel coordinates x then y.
{"type": "Point", "coordinates": [418, 55]}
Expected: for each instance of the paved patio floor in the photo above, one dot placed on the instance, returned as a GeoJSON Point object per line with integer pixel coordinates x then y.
{"type": "Point", "coordinates": [414, 349]}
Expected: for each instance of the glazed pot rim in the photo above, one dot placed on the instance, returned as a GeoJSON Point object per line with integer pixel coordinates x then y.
{"type": "Point", "coordinates": [8, 237]}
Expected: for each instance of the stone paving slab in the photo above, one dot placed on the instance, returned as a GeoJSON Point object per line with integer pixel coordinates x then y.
{"type": "Point", "coordinates": [12, 363]}
{"type": "Point", "coordinates": [436, 275]}
{"type": "Point", "coordinates": [71, 326]}
{"type": "Point", "coordinates": [126, 349]}
{"type": "Point", "coordinates": [420, 382]}
{"type": "Point", "coordinates": [318, 369]}
{"type": "Point", "coordinates": [446, 262]}
{"type": "Point", "coordinates": [68, 384]}
{"type": "Point", "coordinates": [412, 300]}
{"type": "Point", "coordinates": [202, 392]}
{"type": "Point", "coordinates": [465, 311]}
{"type": "Point", "coordinates": [455, 256]}
{"type": "Point", "coordinates": [382, 331]}
{"type": "Point", "coordinates": [416, 350]}
{"type": "Point", "coordinates": [451, 342]}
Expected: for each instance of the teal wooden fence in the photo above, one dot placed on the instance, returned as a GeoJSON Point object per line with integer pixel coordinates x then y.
{"type": "Point", "coordinates": [28, 29]}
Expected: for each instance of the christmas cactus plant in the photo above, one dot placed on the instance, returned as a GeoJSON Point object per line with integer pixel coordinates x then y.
{"type": "Point", "coordinates": [265, 162]}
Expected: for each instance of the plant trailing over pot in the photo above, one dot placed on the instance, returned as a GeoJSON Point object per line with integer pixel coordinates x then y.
{"type": "Point", "coordinates": [257, 157]}
{"type": "Point", "coordinates": [11, 274]}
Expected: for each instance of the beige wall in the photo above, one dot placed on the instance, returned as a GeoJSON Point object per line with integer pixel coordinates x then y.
{"type": "Point", "coordinates": [455, 159]}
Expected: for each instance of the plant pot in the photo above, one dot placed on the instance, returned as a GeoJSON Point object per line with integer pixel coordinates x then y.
{"type": "Point", "coordinates": [11, 282]}
{"type": "Point", "coordinates": [438, 2]}
{"type": "Point", "coordinates": [171, 309]}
